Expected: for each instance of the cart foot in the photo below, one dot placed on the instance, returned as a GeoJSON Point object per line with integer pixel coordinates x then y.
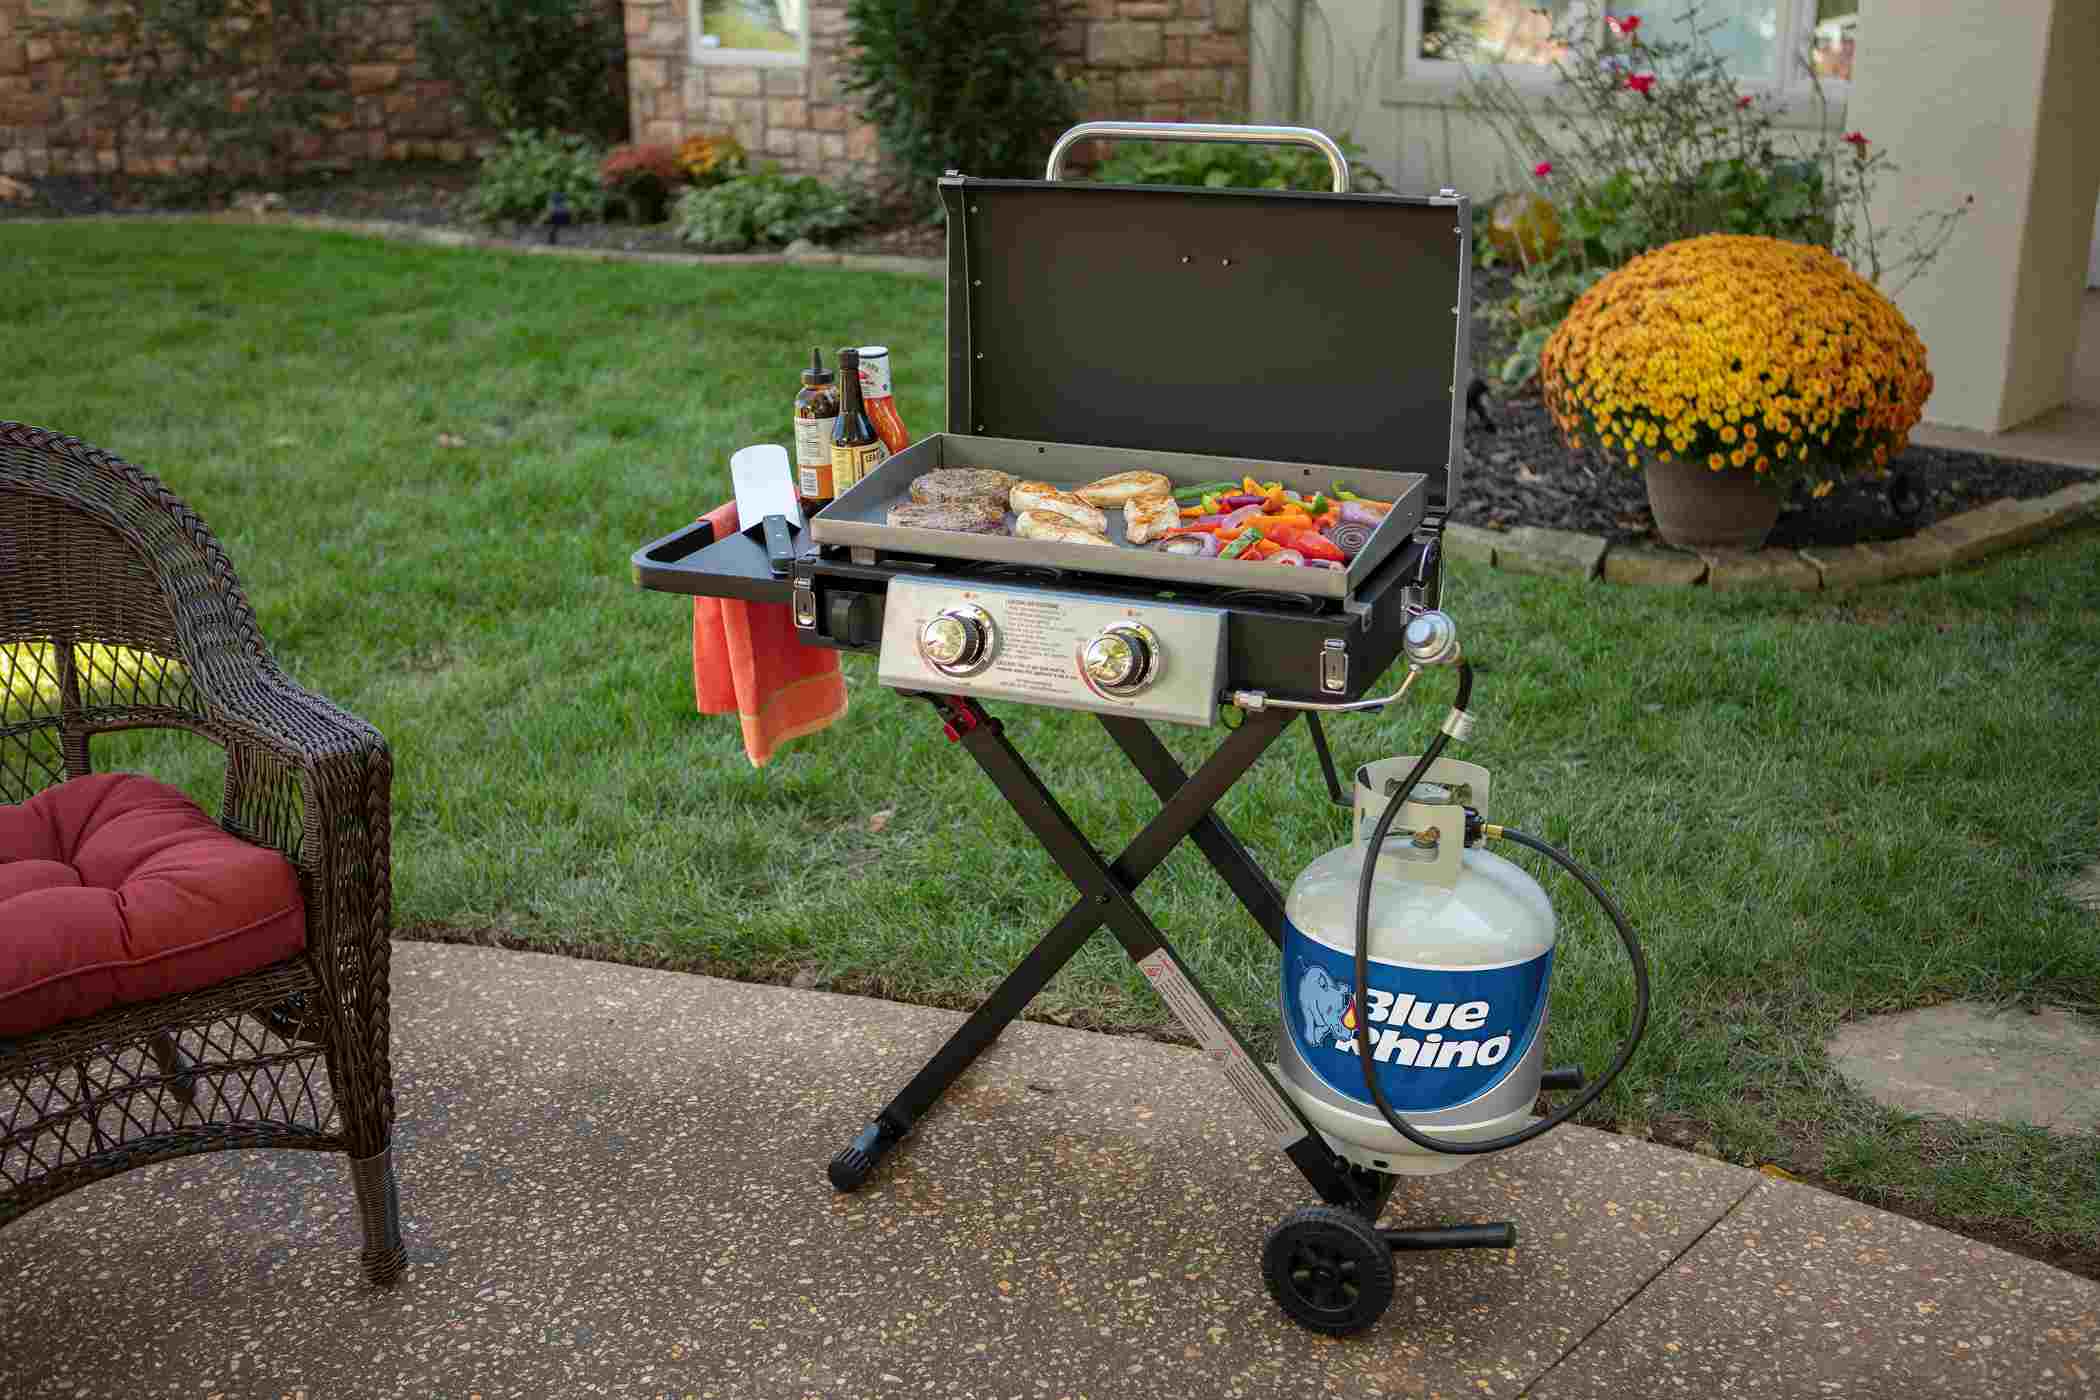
{"type": "Point", "coordinates": [1329, 1269]}
{"type": "Point", "coordinates": [855, 1163]}
{"type": "Point", "coordinates": [1502, 1234]}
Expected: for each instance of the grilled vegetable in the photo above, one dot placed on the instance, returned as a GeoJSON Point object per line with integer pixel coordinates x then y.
{"type": "Point", "coordinates": [1190, 495]}
{"type": "Point", "coordinates": [1348, 536]}
{"type": "Point", "coordinates": [1240, 544]}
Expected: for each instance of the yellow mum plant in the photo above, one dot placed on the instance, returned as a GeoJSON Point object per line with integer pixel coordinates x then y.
{"type": "Point", "coordinates": [1738, 352]}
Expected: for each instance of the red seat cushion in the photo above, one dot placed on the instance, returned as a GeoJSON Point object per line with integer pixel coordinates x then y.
{"type": "Point", "coordinates": [117, 889]}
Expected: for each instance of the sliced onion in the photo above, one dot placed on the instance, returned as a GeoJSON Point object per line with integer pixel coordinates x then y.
{"type": "Point", "coordinates": [1190, 546]}
{"type": "Point", "coordinates": [1356, 513]}
{"type": "Point", "coordinates": [1350, 536]}
{"type": "Point", "coordinates": [1244, 513]}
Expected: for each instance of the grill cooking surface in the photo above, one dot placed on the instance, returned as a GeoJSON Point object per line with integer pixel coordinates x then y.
{"type": "Point", "coordinates": [860, 517]}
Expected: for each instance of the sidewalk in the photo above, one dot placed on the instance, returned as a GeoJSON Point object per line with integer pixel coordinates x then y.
{"type": "Point", "coordinates": [614, 1185]}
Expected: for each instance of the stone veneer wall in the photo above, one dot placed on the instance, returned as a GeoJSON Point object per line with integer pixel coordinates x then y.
{"type": "Point", "coordinates": [1157, 60]}
{"type": "Point", "coordinates": [47, 125]}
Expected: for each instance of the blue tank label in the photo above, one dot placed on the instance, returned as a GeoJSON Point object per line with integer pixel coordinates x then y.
{"type": "Point", "coordinates": [1439, 1038]}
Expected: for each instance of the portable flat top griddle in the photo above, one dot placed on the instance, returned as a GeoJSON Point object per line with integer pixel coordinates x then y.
{"type": "Point", "coordinates": [1205, 334]}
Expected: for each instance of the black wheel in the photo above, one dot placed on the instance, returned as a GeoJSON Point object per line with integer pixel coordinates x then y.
{"type": "Point", "coordinates": [850, 1168]}
{"type": "Point", "coordinates": [1328, 1269]}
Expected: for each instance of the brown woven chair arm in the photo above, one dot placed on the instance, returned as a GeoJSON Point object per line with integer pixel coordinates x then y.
{"type": "Point", "coordinates": [308, 778]}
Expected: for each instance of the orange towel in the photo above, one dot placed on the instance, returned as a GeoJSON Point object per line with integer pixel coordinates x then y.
{"type": "Point", "coordinates": [748, 661]}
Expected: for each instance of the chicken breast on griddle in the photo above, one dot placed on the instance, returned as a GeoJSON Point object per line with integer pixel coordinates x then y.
{"type": "Point", "coordinates": [1124, 486]}
{"type": "Point", "coordinates": [1041, 495]}
{"type": "Point", "coordinates": [1058, 529]}
{"type": "Point", "coordinates": [1149, 517]}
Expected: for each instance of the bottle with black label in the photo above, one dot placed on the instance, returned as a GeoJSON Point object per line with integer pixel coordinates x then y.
{"type": "Point", "coordinates": [816, 415]}
{"type": "Point", "coordinates": [856, 448]}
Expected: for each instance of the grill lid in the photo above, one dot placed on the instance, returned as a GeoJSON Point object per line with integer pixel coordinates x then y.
{"type": "Point", "coordinates": [1286, 325]}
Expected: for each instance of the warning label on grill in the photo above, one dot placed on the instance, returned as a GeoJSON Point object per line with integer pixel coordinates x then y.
{"type": "Point", "coordinates": [1196, 1017]}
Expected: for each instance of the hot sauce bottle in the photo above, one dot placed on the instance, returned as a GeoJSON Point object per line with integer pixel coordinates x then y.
{"type": "Point", "coordinates": [856, 448]}
{"type": "Point", "coordinates": [816, 415]}
{"type": "Point", "coordinates": [882, 404]}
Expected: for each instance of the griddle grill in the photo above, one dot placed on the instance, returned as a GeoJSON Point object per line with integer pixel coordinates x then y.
{"type": "Point", "coordinates": [1203, 333]}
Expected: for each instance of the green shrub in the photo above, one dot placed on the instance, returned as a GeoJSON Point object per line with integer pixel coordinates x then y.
{"type": "Point", "coordinates": [764, 209]}
{"type": "Point", "coordinates": [240, 83]}
{"type": "Point", "coordinates": [545, 65]}
{"type": "Point", "coordinates": [969, 85]}
{"type": "Point", "coordinates": [517, 181]}
{"type": "Point", "coordinates": [1220, 166]}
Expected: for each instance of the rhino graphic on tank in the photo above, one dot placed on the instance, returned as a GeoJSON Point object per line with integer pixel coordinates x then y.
{"type": "Point", "coordinates": [1323, 1003]}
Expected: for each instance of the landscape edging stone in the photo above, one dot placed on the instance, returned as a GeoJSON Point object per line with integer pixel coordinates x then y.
{"type": "Point", "coordinates": [1950, 543]}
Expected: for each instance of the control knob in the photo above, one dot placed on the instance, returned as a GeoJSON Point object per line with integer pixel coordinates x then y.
{"type": "Point", "coordinates": [1121, 660]}
{"type": "Point", "coordinates": [958, 641]}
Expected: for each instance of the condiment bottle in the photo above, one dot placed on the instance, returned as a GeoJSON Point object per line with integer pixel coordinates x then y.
{"type": "Point", "coordinates": [816, 415]}
{"type": "Point", "coordinates": [882, 404]}
{"type": "Point", "coordinates": [856, 448]}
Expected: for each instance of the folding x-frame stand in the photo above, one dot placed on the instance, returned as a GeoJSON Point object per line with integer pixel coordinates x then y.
{"type": "Point", "coordinates": [1106, 895]}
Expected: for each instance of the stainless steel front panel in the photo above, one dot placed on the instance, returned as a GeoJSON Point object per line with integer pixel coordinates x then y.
{"type": "Point", "coordinates": [861, 516]}
{"type": "Point", "coordinates": [1036, 644]}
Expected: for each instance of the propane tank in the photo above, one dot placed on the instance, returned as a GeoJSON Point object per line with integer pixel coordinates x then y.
{"type": "Point", "coordinates": [1461, 948]}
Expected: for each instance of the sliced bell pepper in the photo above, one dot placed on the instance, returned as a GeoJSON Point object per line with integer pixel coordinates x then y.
{"type": "Point", "coordinates": [1265, 549]}
{"type": "Point", "coordinates": [1246, 540]}
{"type": "Point", "coordinates": [1312, 544]}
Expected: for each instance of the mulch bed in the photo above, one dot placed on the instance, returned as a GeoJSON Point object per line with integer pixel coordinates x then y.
{"type": "Point", "coordinates": [1522, 473]}
{"type": "Point", "coordinates": [1518, 473]}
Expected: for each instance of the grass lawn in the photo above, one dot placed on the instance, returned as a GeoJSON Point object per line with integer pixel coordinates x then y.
{"type": "Point", "coordinates": [1813, 807]}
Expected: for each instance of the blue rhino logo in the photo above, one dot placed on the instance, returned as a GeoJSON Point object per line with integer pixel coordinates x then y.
{"type": "Point", "coordinates": [1322, 1002]}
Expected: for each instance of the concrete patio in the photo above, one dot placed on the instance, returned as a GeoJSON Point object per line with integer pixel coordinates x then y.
{"type": "Point", "coordinates": [613, 1181]}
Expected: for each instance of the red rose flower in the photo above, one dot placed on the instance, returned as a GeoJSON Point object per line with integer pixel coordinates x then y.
{"type": "Point", "coordinates": [1623, 24]}
{"type": "Point", "coordinates": [1542, 169]}
{"type": "Point", "coordinates": [1854, 138]}
{"type": "Point", "coordinates": [1745, 100]}
{"type": "Point", "coordinates": [1642, 82]}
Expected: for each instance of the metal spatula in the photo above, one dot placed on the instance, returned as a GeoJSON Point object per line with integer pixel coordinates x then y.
{"type": "Point", "coordinates": [766, 500]}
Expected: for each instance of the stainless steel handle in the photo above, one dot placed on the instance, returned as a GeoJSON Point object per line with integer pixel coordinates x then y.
{"type": "Point", "coordinates": [1202, 131]}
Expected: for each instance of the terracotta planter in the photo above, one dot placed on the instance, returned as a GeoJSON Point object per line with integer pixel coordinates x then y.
{"type": "Point", "coordinates": [1701, 509]}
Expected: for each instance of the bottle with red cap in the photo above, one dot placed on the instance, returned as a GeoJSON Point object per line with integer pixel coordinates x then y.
{"type": "Point", "coordinates": [881, 403]}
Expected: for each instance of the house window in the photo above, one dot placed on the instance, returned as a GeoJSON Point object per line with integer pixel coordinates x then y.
{"type": "Point", "coordinates": [773, 33]}
{"type": "Point", "coordinates": [1755, 37]}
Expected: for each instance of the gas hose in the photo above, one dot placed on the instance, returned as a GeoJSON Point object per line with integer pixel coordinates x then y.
{"type": "Point", "coordinates": [1589, 1093]}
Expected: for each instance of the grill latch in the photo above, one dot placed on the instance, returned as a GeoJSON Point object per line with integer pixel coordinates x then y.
{"type": "Point", "coordinates": [1334, 666]}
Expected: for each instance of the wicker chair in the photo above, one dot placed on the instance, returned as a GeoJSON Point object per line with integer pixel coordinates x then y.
{"type": "Point", "coordinates": [97, 555]}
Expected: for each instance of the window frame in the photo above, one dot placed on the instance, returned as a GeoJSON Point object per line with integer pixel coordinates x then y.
{"type": "Point", "coordinates": [703, 56]}
{"type": "Point", "coordinates": [1417, 81]}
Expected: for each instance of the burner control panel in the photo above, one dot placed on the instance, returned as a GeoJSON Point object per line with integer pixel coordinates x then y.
{"type": "Point", "coordinates": [1162, 661]}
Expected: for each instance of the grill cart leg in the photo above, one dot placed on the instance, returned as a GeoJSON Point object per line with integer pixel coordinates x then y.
{"type": "Point", "coordinates": [1105, 897]}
